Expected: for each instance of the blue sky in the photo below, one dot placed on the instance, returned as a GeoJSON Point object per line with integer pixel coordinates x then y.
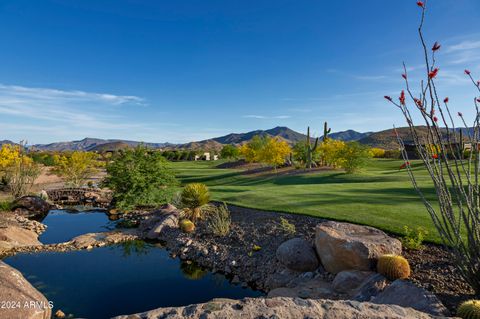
{"type": "Point", "coordinates": [186, 70]}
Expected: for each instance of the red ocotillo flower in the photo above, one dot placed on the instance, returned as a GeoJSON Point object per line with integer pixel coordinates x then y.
{"type": "Point", "coordinates": [433, 73]}
{"type": "Point", "coordinates": [435, 156]}
{"type": "Point", "coordinates": [445, 100]}
{"type": "Point", "coordinates": [402, 97]}
{"type": "Point", "coordinates": [420, 4]}
{"type": "Point", "coordinates": [436, 46]}
{"type": "Point", "coordinates": [405, 165]}
{"type": "Point", "coordinates": [478, 100]}
{"type": "Point", "coordinates": [418, 102]}
{"type": "Point", "coordinates": [467, 72]}
{"type": "Point", "coordinates": [435, 119]}
{"type": "Point", "coordinates": [404, 76]}
{"type": "Point", "coordinates": [388, 98]}
{"type": "Point", "coordinates": [460, 114]}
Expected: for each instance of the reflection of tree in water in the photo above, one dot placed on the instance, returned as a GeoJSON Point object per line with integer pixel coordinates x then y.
{"type": "Point", "coordinates": [192, 271]}
{"type": "Point", "coordinates": [137, 247]}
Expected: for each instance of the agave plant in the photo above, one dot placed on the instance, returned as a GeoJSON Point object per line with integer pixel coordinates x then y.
{"type": "Point", "coordinates": [195, 200]}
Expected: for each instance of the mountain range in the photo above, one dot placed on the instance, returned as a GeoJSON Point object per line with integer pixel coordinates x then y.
{"type": "Point", "coordinates": [384, 139]}
{"type": "Point", "coordinates": [284, 133]}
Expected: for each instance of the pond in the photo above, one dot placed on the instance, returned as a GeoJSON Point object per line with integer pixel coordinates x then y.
{"type": "Point", "coordinates": [131, 277]}
{"type": "Point", "coordinates": [63, 225]}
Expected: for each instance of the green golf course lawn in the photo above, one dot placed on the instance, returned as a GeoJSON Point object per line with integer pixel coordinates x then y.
{"type": "Point", "coordinates": [380, 195]}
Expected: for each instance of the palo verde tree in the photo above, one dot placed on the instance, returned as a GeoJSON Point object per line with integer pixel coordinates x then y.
{"type": "Point", "coordinates": [75, 167]}
{"type": "Point", "coordinates": [455, 178]}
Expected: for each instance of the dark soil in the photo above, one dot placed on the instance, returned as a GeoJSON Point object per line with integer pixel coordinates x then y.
{"type": "Point", "coordinates": [433, 268]}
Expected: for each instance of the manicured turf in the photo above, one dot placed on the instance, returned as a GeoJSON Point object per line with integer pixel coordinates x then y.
{"type": "Point", "coordinates": [381, 195]}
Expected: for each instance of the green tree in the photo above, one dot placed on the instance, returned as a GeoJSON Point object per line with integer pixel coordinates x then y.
{"type": "Point", "coordinates": [229, 152]}
{"type": "Point", "coordinates": [140, 177]}
{"type": "Point", "coordinates": [353, 156]}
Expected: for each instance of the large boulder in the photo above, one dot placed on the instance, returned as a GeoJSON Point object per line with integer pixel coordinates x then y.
{"type": "Point", "coordinates": [344, 246]}
{"type": "Point", "coordinates": [406, 294]}
{"type": "Point", "coordinates": [297, 254]}
{"type": "Point", "coordinates": [26, 302]}
{"type": "Point", "coordinates": [166, 221]}
{"type": "Point", "coordinates": [31, 206]}
{"type": "Point", "coordinates": [282, 307]}
{"type": "Point", "coordinates": [14, 236]}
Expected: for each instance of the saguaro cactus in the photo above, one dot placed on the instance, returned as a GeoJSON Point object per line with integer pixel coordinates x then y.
{"type": "Point", "coordinates": [326, 131]}
{"type": "Point", "coordinates": [310, 149]}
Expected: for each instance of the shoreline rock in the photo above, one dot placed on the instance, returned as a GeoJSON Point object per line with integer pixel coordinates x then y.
{"type": "Point", "coordinates": [282, 307]}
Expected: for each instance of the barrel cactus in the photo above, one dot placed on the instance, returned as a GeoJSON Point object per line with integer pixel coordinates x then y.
{"type": "Point", "coordinates": [187, 225]}
{"type": "Point", "coordinates": [469, 310]}
{"type": "Point", "coordinates": [393, 267]}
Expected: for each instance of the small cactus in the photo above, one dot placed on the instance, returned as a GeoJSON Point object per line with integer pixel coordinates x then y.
{"type": "Point", "coordinates": [393, 267]}
{"type": "Point", "coordinates": [187, 226]}
{"type": "Point", "coordinates": [469, 309]}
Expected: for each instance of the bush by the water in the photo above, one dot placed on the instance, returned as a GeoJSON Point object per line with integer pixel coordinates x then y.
{"type": "Point", "coordinates": [140, 177]}
{"type": "Point", "coordinates": [469, 310]}
{"type": "Point", "coordinates": [219, 220]}
{"type": "Point", "coordinates": [195, 198]}
{"type": "Point", "coordinates": [76, 167]}
{"type": "Point", "coordinates": [393, 267]}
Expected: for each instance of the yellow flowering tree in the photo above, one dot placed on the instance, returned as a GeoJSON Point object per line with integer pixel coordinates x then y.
{"type": "Point", "coordinates": [377, 152]}
{"type": "Point", "coordinates": [330, 152]}
{"type": "Point", "coordinates": [76, 167]}
{"type": "Point", "coordinates": [18, 171]}
{"type": "Point", "coordinates": [274, 152]}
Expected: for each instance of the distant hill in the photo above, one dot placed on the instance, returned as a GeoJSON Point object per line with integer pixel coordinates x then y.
{"type": "Point", "coordinates": [349, 135]}
{"type": "Point", "coordinates": [280, 131]}
{"type": "Point", "coordinates": [110, 147]}
{"type": "Point", "coordinates": [88, 144]}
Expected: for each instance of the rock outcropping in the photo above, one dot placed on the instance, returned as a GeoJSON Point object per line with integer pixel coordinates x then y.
{"type": "Point", "coordinates": [24, 301]}
{"type": "Point", "coordinates": [282, 307]}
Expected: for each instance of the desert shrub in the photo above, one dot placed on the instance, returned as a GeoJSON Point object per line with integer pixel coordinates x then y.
{"type": "Point", "coordinates": [195, 199]}
{"type": "Point", "coordinates": [377, 152]}
{"type": "Point", "coordinates": [300, 153]}
{"type": "Point", "coordinates": [266, 150]}
{"type": "Point", "coordinates": [230, 152]}
{"type": "Point", "coordinates": [287, 227]}
{"type": "Point", "coordinates": [18, 170]}
{"type": "Point", "coordinates": [393, 154]}
{"type": "Point", "coordinates": [44, 158]}
{"type": "Point", "coordinates": [76, 167]}
{"type": "Point", "coordinates": [393, 267]}
{"type": "Point", "coordinates": [219, 220]}
{"type": "Point", "coordinates": [353, 156]}
{"type": "Point", "coordinates": [138, 177]}
{"type": "Point", "coordinates": [187, 226]}
{"type": "Point", "coordinates": [469, 310]}
{"type": "Point", "coordinates": [413, 239]}
{"type": "Point", "coordinates": [6, 206]}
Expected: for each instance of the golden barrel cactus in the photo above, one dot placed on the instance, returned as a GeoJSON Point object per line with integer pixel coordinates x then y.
{"type": "Point", "coordinates": [187, 225]}
{"type": "Point", "coordinates": [393, 267]}
{"type": "Point", "coordinates": [469, 310]}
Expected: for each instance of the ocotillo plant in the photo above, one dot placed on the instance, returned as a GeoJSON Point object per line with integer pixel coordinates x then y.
{"type": "Point", "coordinates": [310, 149]}
{"type": "Point", "coordinates": [326, 131]}
{"type": "Point", "coordinates": [456, 181]}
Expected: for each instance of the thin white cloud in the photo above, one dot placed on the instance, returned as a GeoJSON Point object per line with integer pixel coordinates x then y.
{"type": "Point", "coordinates": [464, 45]}
{"type": "Point", "coordinates": [55, 94]}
